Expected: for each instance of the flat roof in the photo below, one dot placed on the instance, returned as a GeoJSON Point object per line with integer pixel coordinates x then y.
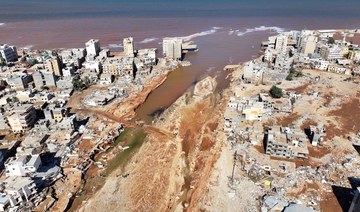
{"type": "Point", "coordinates": [16, 183]}
{"type": "Point", "coordinates": [22, 108]}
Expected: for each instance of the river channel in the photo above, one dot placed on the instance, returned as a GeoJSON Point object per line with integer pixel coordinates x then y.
{"type": "Point", "coordinates": [215, 52]}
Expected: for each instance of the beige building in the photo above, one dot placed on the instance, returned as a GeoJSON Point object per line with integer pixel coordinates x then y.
{"type": "Point", "coordinates": [24, 96]}
{"type": "Point", "coordinates": [54, 65]}
{"type": "Point", "coordinates": [308, 45]}
{"type": "Point", "coordinates": [119, 66]}
{"type": "Point", "coordinates": [253, 111]}
{"type": "Point", "coordinates": [333, 52]}
{"type": "Point", "coordinates": [22, 118]}
{"type": "Point", "coordinates": [281, 43]}
{"type": "Point", "coordinates": [128, 44]}
{"type": "Point", "coordinates": [354, 55]}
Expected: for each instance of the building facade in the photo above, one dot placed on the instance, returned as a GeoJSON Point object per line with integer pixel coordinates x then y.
{"type": "Point", "coordinates": [22, 165]}
{"type": "Point", "coordinates": [54, 65]}
{"type": "Point", "coordinates": [92, 47]}
{"type": "Point", "coordinates": [44, 78]}
{"type": "Point", "coordinates": [281, 43]}
{"type": "Point", "coordinates": [128, 44]}
{"type": "Point", "coordinates": [172, 48]}
{"type": "Point", "coordinates": [23, 117]}
{"type": "Point", "coordinates": [119, 66]}
{"type": "Point", "coordinates": [8, 53]}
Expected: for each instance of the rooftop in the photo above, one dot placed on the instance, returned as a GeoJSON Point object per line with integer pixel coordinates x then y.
{"type": "Point", "coordinates": [17, 183]}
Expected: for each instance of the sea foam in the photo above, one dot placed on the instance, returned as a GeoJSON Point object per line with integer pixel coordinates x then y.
{"type": "Point", "coordinates": [113, 45]}
{"type": "Point", "coordinates": [260, 29]}
{"type": "Point", "coordinates": [28, 47]}
{"type": "Point", "coordinates": [210, 69]}
{"type": "Point", "coordinates": [200, 34]}
{"type": "Point", "coordinates": [148, 40]}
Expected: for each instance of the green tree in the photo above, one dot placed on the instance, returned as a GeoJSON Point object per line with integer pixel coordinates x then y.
{"type": "Point", "coordinates": [292, 70]}
{"type": "Point", "coordinates": [298, 74]}
{"type": "Point", "coordinates": [292, 100]}
{"type": "Point", "coordinates": [291, 54]}
{"type": "Point", "coordinates": [87, 81]}
{"type": "Point", "coordinates": [15, 99]}
{"type": "Point", "coordinates": [78, 84]}
{"type": "Point", "coordinates": [289, 77]}
{"type": "Point", "coordinates": [331, 40]}
{"type": "Point", "coordinates": [57, 103]}
{"type": "Point", "coordinates": [2, 61]}
{"type": "Point", "coordinates": [276, 92]}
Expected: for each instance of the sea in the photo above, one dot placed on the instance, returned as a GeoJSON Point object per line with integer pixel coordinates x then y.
{"type": "Point", "coordinates": [226, 31]}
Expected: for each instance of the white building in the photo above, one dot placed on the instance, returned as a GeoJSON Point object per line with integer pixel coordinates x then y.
{"type": "Point", "coordinates": [281, 43]}
{"type": "Point", "coordinates": [92, 47]}
{"type": "Point", "coordinates": [78, 53]}
{"type": "Point", "coordinates": [128, 44]}
{"type": "Point", "coordinates": [104, 53]}
{"type": "Point", "coordinates": [147, 56]}
{"type": "Point", "coordinates": [172, 48]}
{"type": "Point", "coordinates": [22, 164]}
{"type": "Point", "coordinates": [321, 64]}
{"type": "Point", "coordinates": [269, 54]}
{"type": "Point", "coordinates": [252, 72]}
{"type": "Point", "coordinates": [8, 53]}
{"type": "Point", "coordinates": [68, 71]}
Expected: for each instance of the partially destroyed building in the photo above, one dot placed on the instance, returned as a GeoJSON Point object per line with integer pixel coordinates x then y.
{"type": "Point", "coordinates": [23, 164]}
{"type": "Point", "coordinates": [119, 66]}
{"type": "Point", "coordinates": [16, 190]}
{"type": "Point", "coordinates": [285, 142]}
{"type": "Point", "coordinates": [253, 72]}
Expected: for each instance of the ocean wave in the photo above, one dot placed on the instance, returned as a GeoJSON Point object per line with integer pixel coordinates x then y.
{"type": "Point", "coordinates": [199, 34]}
{"type": "Point", "coordinates": [113, 45]}
{"type": "Point", "coordinates": [2, 24]}
{"type": "Point", "coordinates": [148, 40]}
{"type": "Point", "coordinates": [210, 69]}
{"type": "Point", "coordinates": [28, 47]}
{"type": "Point", "coordinates": [260, 29]}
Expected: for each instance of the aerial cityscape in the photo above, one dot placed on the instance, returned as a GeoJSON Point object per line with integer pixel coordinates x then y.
{"type": "Point", "coordinates": [180, 106]}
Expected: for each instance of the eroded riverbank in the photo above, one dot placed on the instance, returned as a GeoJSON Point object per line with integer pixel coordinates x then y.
{"type": "Point", "coordinates": [171, 169]}
{"type": "Point", "coordinates": [155, 103]}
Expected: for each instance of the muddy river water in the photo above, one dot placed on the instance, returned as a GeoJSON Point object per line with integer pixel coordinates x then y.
{"type": "Point", "coordinates": [215, 51]}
